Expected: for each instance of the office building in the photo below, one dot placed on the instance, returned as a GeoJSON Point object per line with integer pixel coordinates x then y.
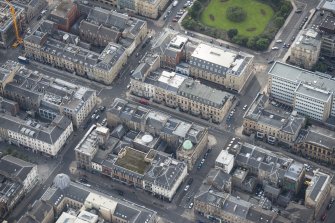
{"type": "Point", "coordinates": [316, 143]}
{"type": "Point", "coordinates": [18, 177]}
{"type": "Point", "coordinates": [188, 140]}
{"type": "Point", "coordinates": [220, 65]}
{"type": "Point", "coordinates": [318, 191]}
{"type": "Point", "coordinates": [45, 95]}
{"type": "Point", "coordinates": [7, 30]}
{"type": "Point", "coordinates": [176, 90]}
{"type": "Point", "coordinates": [87, 205]}
{"type": "Point", "coordinates": [154, 171]}
{"type": "Point", "coordinates": [102, 26]}
{"type": "Point", "coordinates": [271, 169]}
{"type": "Point", "coordinates": [309, 93]}
{"type": "Point", "coordinates": [327, 29]}
{"type": "Point", "coordinates": [46, 138]}
{"type": "Point", "coordinates": [305, 50]}
{"type": "Point", "coordinates": [266, 121]}
{"type": "Point", "coordinates": [225, 161]}
{"type": "Point", "coordinates": [171, 48]}
{"type": "Point", "coordinates": [64, 14]}
{"type": "Point", "coordinates": [117, 34]}
{"type": "Point", "coordinates": [38, 212]}
{"type": "Point", "coordinates": [32, 8]}
{"type": "Point", "coordinates": [215, 201]}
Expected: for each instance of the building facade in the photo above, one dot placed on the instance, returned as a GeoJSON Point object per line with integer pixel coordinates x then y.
{"type": "Point", "coordinates": [318, 144]}
{"type": "Point", "coordinates": [318, 191]}
{"type": "Point", "coordinates": [327, 29]}
{"type": "Point", "coordinates": [305, 50]}
{"type": "Point", "coordinates": [32, 8]}
{"type": "Point", "coordinates": [266, 123]}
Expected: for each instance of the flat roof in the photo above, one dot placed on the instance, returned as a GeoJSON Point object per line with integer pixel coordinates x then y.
{"type": "Point", "coordinates": [132, 160]}
{"type": "Point", "coordinates": [214, 55]}
{"type": "Point", "coordinates": [297, 74]}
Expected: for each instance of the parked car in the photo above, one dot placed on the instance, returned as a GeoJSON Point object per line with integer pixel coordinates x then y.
{"type": "Point", "coordinates": [324, 216]}
{"type": "Point", "coordinates": [245, 107]}
{"type": "Point", "coordinates": [274, 48]}
{"type": "Point", "coordinates": [190, 206]}
{"type": "Point", "coordinates": [187, 187]}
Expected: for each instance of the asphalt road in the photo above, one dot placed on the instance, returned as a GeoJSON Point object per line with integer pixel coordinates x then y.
{"type": "Point", "coordinates": [179, 206]}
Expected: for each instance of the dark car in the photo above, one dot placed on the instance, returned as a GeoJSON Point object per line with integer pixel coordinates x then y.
{"type": "Point", "coordinates": [39, 17]}
{"type": "Point", "coordinates": [190, 181]}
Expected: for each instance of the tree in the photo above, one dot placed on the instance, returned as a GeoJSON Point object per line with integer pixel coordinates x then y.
{"type": "Point", "coordinates": [236, 14]}
{"type": "Point", "coordinates": [262, 43]}
{"type": "Point", "coordinates": [279, 21]}
{"type": "Point", "coordinates": [252, 42]}
{"type": "Point", "coordinates": [240, 40]}
{"type": "Point", "coordinates": [320, 66]}
{"type": "Point", "coordinates": [194, 10]}
{"type": "Point", "coordinates": [232, 32]}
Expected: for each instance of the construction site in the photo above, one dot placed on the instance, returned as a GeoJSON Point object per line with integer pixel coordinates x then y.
{"type": "Point", "coordinates": [10, 14]}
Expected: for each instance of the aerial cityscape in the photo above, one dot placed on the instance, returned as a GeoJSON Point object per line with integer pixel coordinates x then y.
{"type": "Point", "coordinates": [167, 111]}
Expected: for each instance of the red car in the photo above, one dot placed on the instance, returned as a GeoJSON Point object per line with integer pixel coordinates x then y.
{"type": "Point", "coordinates": [174, 20]}
{"type": "Point", "coordinates": [324, 216]}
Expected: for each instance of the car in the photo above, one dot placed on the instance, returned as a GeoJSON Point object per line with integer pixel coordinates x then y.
{"type": "Point", "coordinates": [329, 206]}
{"type": "Point", "coordinates": [190, 206]}
{"type": "Point", "coordinates": [245, 107]}
{"type": "Point", "coordinates": [199, 166]}
{"type": "Point", "coordinates": [205, 156]}
{"type": "Point", "coordinates": [279, 41]}
{"type": "Point", "coordinates": [177, 16]}
{"type": "Point", "coordinates": [211, 41]}
{"type": "Point", "coordinates": [168, 12]}
{"type": "Point", "coordinates": [144, 45]}
{"type": "Point", "coordinates": [132, 71]}
{"type": "Point", "coordinates": [83, 180]}
{"type": "Point", "coordinates": [93, 116]}
{"type": "Point", "coordinates": [102, 108]}
{"type": "Point", "coordinates": [39, 17]}
{"type": "Point", "coordinates": [97, 117]}
{"type": "Point", "coordinates": [324, 216]}
{"type": "Point", "coordinates": [298, 11]}
{"type": "Point", "coordinates": [293, 38]}
{"type": "Point", "coordinates": [187, 187]}
{"type": "Point", "coordinates": [96, 111]}
{"type": "Point", "coordinates": [274, 48]}
{"type": "Point", "coordinates": [165, 17]}
{"type": "Point", "coordinates": [174, 20]}
{"type": "Point", "coordinates": [190, 181]}
{"type": "Point", "coordinates": [271, 61]}
{"type": "Point", "coordinates": [128, 86]}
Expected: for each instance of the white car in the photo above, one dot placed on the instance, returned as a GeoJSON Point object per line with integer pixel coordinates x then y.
{"type": "Point", "coordinates": [245, 107]}
{"type": "Point", "coordinates": [187, 187]}
{"type": "Point", "coordinates": [275, 48]}
{"type": "Point", "coordinates": [279, 41]}
{"type": "Point", "coordinates": [190, 206]}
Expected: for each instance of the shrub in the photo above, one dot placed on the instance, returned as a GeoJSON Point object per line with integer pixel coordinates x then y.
{"type": "Point", "coordinates": [232, 32]}
{"type": "Point", "coordinates": [236, 14]}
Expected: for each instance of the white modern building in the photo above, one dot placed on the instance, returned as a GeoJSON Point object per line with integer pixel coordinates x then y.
{"type": "Point", "coordinates": [310, 93]}
{"type": "Point", "coordinates": [225, 161]}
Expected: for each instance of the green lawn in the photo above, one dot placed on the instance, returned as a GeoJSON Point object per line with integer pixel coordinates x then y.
{"type": "Point", "coordinates": [258, 16]}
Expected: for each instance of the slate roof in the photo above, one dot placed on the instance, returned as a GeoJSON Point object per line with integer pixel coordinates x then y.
{"type": "Point", "coordinates": [13, 167]}
{"type": "Point", "coordinates": [164, 171]}
{"type": "Point", "coordinates": [48, 135]}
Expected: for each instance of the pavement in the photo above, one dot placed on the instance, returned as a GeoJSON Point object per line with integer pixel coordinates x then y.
{"type": "Point", "coordinates": [178, 210]}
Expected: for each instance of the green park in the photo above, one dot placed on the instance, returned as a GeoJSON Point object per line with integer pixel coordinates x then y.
{"type": "Point", "coordinates": [254, 16]}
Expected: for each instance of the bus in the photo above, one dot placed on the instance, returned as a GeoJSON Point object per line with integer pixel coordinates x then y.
{"type": "Point", "coordinates": [23, 60]}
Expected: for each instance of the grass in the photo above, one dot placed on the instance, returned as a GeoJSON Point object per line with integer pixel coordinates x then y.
{"type": "Point", "coordinates": [258, 16]}
{"type": "Point", "coordinates": [134, 161]}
